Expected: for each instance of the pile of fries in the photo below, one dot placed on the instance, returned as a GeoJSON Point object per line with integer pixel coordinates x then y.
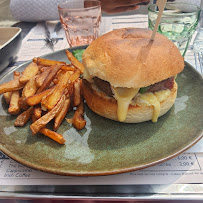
{"type": "Point", "coordinates": [46, 90]}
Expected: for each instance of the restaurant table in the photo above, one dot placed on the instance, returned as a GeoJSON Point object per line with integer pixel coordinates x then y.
{"type": "Point", "coordinates": [116, 192]}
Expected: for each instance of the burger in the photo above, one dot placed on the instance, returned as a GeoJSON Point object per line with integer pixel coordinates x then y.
{"type": "Point", "coordinates": [130, 78]}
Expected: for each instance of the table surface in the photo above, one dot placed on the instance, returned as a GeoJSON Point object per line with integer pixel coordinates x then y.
{"type": "Point", "coordinates": [102, 192]}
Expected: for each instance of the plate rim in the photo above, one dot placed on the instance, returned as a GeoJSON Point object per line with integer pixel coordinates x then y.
{"type": "Point", "coordinates": [100, 173]}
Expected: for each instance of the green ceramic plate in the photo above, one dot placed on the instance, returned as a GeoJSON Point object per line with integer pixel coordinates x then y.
{"type": "Point", "coordinates": [104, 146]}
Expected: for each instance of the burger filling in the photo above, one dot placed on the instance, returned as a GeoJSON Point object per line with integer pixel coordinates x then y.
{"type": "Point", "coordinates": [151, 95]}
{"type": "Point", "coordinates": [105, 86]}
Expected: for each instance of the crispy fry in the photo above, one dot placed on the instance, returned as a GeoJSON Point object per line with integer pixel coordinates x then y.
{"type": "Point", "coordinates": [45, 99]}
{"type": "Point", "coordinates": [23, 104]}
{"type": "Point", "coordinates": [68, 68]}
{"type": "Point", "coordinates": [37, 98]}
{"type": "Point", "coordinates": [43, 68]}
{"type": "Point", "coordinates": [69, 120]}
{"type": "Point", "coordinates": [34, 59]}
{"type": "Point", "coordinates": [74, 61]}
{"type": "Point", "coordinates": [75, 76]}
{"type": "Point", "coordinates": [37, 112]}
{"type": "Point", "coordinates": [61, 115]}
{"type": "Point", "coordinates": [70, 90]}
{"type": "Point", "coordinates": [12, 85]}
{"type": "Point", "coordinates": [49, 78]}
{"type": "Point", "coordinates": [41, 77]}
{"type": "Point", "coordinates": [7, 97]}
{"type": "Point", "coordinates": [34, 118]}
{"type": "Point", "coordinates": [30, 71]}
{"type": "Point", "coordinates": [60, 74]}
{"type": "Point", "coordinates": [49, 89]}
{"type": "Point", "coordinates": [47, 62]}
{"type": "Point", "coordinates": [14, 107]}
{"type": "Point", "coordinates": [30, 88]}
{"type": "Point", "coordinates": [58, 91]}
{"type": "Point", "coordinates": [77, 92]}
{"type": "Point", "coordinates": [53, 135]}
{"type": "Point", "coordinates": [78, 120]}
{"type": "Point", "coordinates": [49, 133]}
{"type": "Point", "coordinates": [55, 80]}
{"type": "Point", "coordinates": [23, 118]}
{"type": "Point", "coordinates": [52, 84]}
{"type": "Point", "coordinates": [41, 122]}
{"type": "Point", "coordinates": [66, 92]}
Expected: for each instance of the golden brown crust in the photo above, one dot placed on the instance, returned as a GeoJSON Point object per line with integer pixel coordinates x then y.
{"type": "Point", "coordinates": [106, 106]}
{"type": "Point", "coordinates": [127, 58]}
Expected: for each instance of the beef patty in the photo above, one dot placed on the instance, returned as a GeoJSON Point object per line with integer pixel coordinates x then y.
{"type": "Point", "coordinates": [105, 86]}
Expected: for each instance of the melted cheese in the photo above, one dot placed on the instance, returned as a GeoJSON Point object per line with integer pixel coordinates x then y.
{"type": "Point", "coordinates": [151, 99]}
{"type": "Point", "coordinates": [124, 97]}
{"type": "Point", "coordinates": [154, 99]}
{"type": "Point", "coordinates": [162, 94]}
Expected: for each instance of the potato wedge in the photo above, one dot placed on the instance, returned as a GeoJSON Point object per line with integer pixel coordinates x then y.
{"type": "Point", "coordinates": [47, 62]}
{"type": "Point", "coordinates": [24, 117]}
{"type": "Point", "coordinates": [23, 104]}
{"type": "Point", "coordinates": [7, 97]}
{"type": "Point", "coordinates": [41, 122]}
{"type": "Point", "coordinates": [61, 115]}
{"type": "Point", "coordinates": [12, 85]}
{"type": "Point", "coordinates": [78, 120]}
{"type": "Point", "coordinates": [58, 91]}
{"type": "Point", "coordinates": [37, 98]}
{"type": "Point", "coordinates": [49, 78]}
{"type": "Point", "coordinates": [49, 133]}
{"type": "Point", "coordinates": [75, 76]}
{"type": "Point", "coordinates": [41, 77]}
{"type": "Point", "coordinates": [77, 92]}
{"type": "Point", "coordinates": [30, 71]}
{"type": "Point", "coordinates": [37, 112]}
{"type": "Point", "coordinates": [74, 61]}
{"type": "Point", "coordinates": [68, 68]}
{"type": "Point", "coordinates": [14, 107]}
{"type": "Point", "coordinates": [53, 135]}
{"type": "Point", "coordinates": [30, 88]}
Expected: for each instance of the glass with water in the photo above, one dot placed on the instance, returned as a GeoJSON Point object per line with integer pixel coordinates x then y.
{"type": "Point", "coordinates": [198, 46]}
{"type": "Point", "coordinates": [178, 22]}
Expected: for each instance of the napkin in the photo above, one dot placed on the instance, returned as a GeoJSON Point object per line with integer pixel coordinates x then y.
{"type": "Point", "coordinates": [35, 10]}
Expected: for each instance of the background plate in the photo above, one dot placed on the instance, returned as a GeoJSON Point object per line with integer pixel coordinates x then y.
{"type": "Point", "coordinates": [104, 146]}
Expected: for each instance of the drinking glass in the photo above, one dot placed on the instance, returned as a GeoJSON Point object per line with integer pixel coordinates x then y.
{"type": "Point", "coordinates": [80, 20]}
{"type": "Point", "coordinates": [178, 22]}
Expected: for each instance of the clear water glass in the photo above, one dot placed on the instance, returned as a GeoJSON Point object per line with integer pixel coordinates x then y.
{"type": "Point", "coordinates": [198, 46]}
{"type": "Point", "coordinates": [178, 22]}
{"type": "Point", "coordinates": [198, 50]}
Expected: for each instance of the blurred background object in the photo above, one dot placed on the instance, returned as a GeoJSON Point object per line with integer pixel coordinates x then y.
{"type": "Point", "coordinates": [6, 19]}
{"type": "Point", "coordinates": [80, 21]}
{"type": "Point", "coordinates": [10, 43]}
{"type": "Point", "coordinates": [43, 10]}
{"type": "Point", "coordinates": [198, 44]}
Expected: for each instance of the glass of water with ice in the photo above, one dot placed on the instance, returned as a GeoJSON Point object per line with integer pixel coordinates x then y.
{"type": "Point", "coordinates": [80, 20]}
{"type": "Point", "coordinates": [178, 22]}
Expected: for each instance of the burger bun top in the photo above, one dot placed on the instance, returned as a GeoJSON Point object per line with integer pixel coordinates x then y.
{"type": "Point", "coordinates": [128, 58]}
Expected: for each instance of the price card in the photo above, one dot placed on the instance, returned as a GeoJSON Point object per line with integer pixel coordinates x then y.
{"type": "Point", "coordinates": [185, 168]}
